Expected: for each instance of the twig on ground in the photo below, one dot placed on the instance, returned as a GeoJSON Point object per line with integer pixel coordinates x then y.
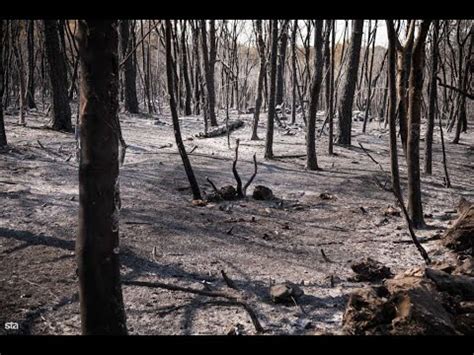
{"type": "Point", "coordinates": [420, 248]}
{"type": "Point", "coordinates": [228, 280]}
{"type": "Point", "coordinates": [232, 299]}
{"type": "Point", "coordinates": [213, 186]}
{"type": "Point", "coordinates": [326, 259]}
{"type": "Point", "coordinates": [298, 305]}
{"type": "Point", "coordinates": [193, 149]}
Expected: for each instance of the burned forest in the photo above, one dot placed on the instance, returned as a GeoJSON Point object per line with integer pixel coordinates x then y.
{"type": "Point", "coordinates": [236, 177]}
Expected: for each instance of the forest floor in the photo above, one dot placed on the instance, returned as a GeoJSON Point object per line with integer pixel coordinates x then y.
{"type": "Point", "coordinates": [254, 242]}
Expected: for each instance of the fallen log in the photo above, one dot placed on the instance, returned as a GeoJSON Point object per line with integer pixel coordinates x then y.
{"type": "Point", "coordinates": [231, 126]}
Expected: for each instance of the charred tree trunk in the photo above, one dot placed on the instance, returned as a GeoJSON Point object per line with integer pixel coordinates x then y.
{"type": "Point", "coordinates": [311, 159]}
{"type": "Point", "coordinates": [57, 75]}
{"type": "Point", "coordinates": [413, 140]}
{"type": "Point", "coordinates": [432, 100]}
{"type": "Point", "coordinates": [461, 122]}
{"type": "Point", "coordinates": [331, 90]}
{"type": "Point", "coordinates": [129, 68]}
{"type": "Point", "coordinates": [261, 76]}
{"type": "Point", "coordinates": [347, 99]}
{"type": "Point", "coordinates": [281, 64]}
{"type": "Point", "coordinates": [272, 93]}
{"type": "Point", "coordinates": [97, 246]}
{"type": "Point", "coordinates": [174, 115]}
{"type": "Point", "coordinates": [209, 62]}
{"type": "Point", "coordinates": [184, 61]}
{"type": "Point", "coordinates": [30, 96]}
{"type": "Point", "coordinates": [404, 55]}
{"type": "Point", "coordinates": [17, 49]}
{"type": "Point", "coordinates": [369, 80]}
{"type": "Point", "coordinates": [3, 136]}
{"type": "Point", "coordinates": [293, 71]}
{"type": "Point", "coordinates": [395, 175]}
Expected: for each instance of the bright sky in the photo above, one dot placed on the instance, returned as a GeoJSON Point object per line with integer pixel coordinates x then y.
{"type": "Point", "coordinates": [380, 40]}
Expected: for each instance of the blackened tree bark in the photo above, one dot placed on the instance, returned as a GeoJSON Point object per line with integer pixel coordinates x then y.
{"type": "Point", "coordinates": [209, 58]}
{"type": "Point", "coordinates": [17, 50]}
{"type": "Point", "coordinates": [129, 68]}
{"type": "Point", "coordinates": [293, 71]}
{"type": "Point", "coordinates": [198, 81]}
{"type": "Point", "coordinates": [395, 175]}
{"type": "Point", "coordinates": [311, 159]}
{"type": "Point", "coordinates": [433, 88]}
{"type": "Point", "coordinates": [404, 54]}
{"type": "Point", "coordinates": [415, 98]}
{"type": "Point", "coordinates": [347, 99]}
{"type": "Point", "coordinates": [97, 246]}
{"type": "Point", "coordinates": [271, 93]}
{"type": "Point", "coordinates": [369, 79]}
{"type": "Point", "coordinates": [331, 90]}
{"type": "Point", "coordinates": [57, 75]}
{"type": "Point", "coordinates": [461, 122]}
{"type": "Point", "coordinates": [174, 115]}
{"type": "Point", "coordinates": [184, 62]}
{"type": "Point", "coordinates": [261, 76]}
{"type": "Point", "coordinates": [281, 63]}
{"type": "Point", "coordinates": [30, 95]}
{"type": "Point", "coordinates": [3, 136]}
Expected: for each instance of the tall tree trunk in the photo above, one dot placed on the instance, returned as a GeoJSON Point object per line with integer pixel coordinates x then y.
{"type": "Point", "coordinates": [461, 122]}
{"type": "Point", "coordinates": [184, 61]}
{"type": "Point", "coordinates": [404, 54]}
{"type": "Point", "coordinates": [57, 75]}
{"type": "Point", "coordinates": [369, 80]}
{"type": "Point", "coordinates": [392, 109]}
{"type": "Point", "coordinates": [413, 140]}
{"type": "Point", "coordinates": [3, 136]}
{"type": "Point", "coordinates": [331, 90]}
{"type": "Point", "coordinates": [281, 63]}
{"type": "Point", "coordinates": [311, 159]}
{"type": "Point", "coordinates": [272, 93]}
{"type": "Point", "coordinates": [432, 100]}
{"type": "Point", "coordinates": [97, 246]}
{"type": "Point", "coordinates": [209, 61]}
{"type": "Point", "coordinates": [17, 49]}
{"type": "Point", "coordinates": [30, 98]}
{"type": "Point", "coordinates": [347, 99]}
{"type": "Point", "coordinates": [129, 68]}
{"type": "Point", "coordinates": [174, 115]}
{"type": "Point", "coordinates": [294, 58]}
{"type": "Point", "coordinates": [197, 70]}
{"type": "Point", "coordinates": [261, 75]}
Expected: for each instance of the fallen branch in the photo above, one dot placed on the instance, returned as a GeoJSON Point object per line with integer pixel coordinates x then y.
{"type": "Point", "coordinates": [133, 222]}
{"type": "Point", "coordinates": [213, 186]}
{"type": "Point", "coordinates": [228, 281]}
{"type": "Point", "coordinates": [371, 157]}
{"type": "Point", "coordinates": [420, 248]}
{"type": "Point", "coordinates": [232, 299]}
{"type": "Point", "coordinates": [193, 149]}
{"type": "Point", "coordinates": [298, 305]}
{"type": "Point", "coordinates": [326, 259]}
{"type": "Point", "coordinates": [222, 130]}
{"type": "Point", "coordinates": [8, 182]}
